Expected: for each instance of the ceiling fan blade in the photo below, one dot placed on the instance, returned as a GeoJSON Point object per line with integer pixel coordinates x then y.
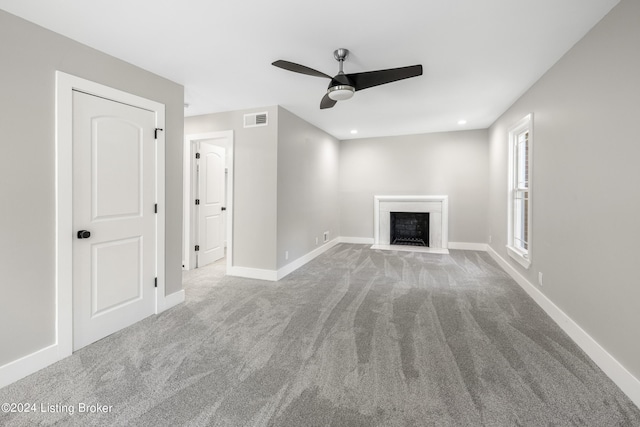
{"type": "Point", "coordinates": [327, 102]}
{"type": "Point", "coordinates": [376, 78]}
{"type": "Point", "coordinates": [297, 68]}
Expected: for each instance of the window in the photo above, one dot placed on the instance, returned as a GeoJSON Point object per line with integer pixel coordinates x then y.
{"type": "Point", "coordinates": [519, 235]}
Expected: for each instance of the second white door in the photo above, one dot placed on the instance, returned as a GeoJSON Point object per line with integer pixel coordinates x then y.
{"type": "Point", "coordinates": [211, 190]}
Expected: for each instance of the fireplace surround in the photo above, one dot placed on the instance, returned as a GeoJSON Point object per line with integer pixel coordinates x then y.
{"type": "Point", "coordinates": [436, 206]}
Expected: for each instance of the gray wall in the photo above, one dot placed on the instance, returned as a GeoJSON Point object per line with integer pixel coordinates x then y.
{"type": "Point", "coordinates": [448, 163]}
{"type": "Point", "coordinates": [29, 57]}
{"type": "Point", "coordinates": [585, 183]}
{"type": "Point", "coordinates": [307, 186]}
{"type": "Point", "coordinates": [255, 183]}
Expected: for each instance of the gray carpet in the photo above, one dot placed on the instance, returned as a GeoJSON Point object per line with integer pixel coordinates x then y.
{"type": "Point", "coordinates": [357, 337]}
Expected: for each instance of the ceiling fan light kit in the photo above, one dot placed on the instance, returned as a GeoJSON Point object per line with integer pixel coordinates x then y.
{"type": "Point", "coordinates": [343, 86]}
{"type": "Point", "coordinates": [341, 92]}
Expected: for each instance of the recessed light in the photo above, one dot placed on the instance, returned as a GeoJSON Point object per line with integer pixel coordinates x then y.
{"type": "Point", "coordinates": [354, 131]}
{"type": "Point", "coordinates": [462, 122]}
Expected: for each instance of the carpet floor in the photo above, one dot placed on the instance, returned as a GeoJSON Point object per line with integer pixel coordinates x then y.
{"type": "Point", "coordinates": [357, 337]}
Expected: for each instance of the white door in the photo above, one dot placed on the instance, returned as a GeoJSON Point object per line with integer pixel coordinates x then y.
{"type": "Point", "coordinates": [114, 173]}
{"type": "Point", "coordinates": [211, 202]}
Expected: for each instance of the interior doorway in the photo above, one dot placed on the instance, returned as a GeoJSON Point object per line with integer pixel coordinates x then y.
{"type": "Point", "coordinates": [208, 199]}
{"type": "Point", "coordinates": [68, 232]}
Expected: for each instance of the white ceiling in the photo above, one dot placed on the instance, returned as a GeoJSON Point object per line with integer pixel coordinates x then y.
{"type": "Point", "coordinates": [478, 56]}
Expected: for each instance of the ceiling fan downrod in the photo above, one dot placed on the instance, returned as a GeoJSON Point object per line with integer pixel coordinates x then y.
{"type": "Point", "coordinates": [340, 55]}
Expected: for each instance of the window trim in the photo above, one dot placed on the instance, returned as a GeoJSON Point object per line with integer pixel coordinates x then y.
{"type": "Point", "coordinates": [519, 255]}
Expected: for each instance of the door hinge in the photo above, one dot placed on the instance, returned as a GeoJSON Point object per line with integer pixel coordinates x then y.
{"type": "Point", "coordinates": [197, 201]}
{"type": "Point", "coordinates": [197, 248]}
{"type": "Point", "coordinates": [197, 155]}
{"type": "Point", "coordinates": [155, 133]}
{"type": "Point", "coordinates": [156, 282]}
{"type": "Point", "coordinates": [155, 208]}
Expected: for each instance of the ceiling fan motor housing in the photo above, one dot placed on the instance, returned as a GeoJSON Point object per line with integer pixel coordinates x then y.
{"type": "Point", "coordinates": [340, 88]}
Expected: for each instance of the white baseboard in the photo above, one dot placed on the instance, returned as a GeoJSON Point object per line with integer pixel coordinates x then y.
{"type": "Point", "coordinates": [293, 266]}
{"type": "Point", "coordinates": [356, 240]}
{"type": "Point", "coordinates": [27, 365]}
{"type": "Point", "coordinates": [468, 246]}
{"type": "Point", "coordinates": [253, 273]}
{"type": "Point", "coordinates": [629, 384]}
{"type": "Point", "coordinates": [275, 275]}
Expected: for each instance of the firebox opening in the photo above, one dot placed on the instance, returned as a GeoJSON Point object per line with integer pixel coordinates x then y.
{"type": "Point", "coordinates": [410, 228]}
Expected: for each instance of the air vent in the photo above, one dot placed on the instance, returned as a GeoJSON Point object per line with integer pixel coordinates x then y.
{"type": "Point", "coordinates": [255, 119]}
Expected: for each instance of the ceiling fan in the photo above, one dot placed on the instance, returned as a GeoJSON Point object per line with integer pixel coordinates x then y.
{"type": "Point", "coordinates": [343, 85]}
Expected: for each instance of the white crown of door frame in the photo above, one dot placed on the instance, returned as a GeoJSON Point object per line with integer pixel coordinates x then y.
{"type": "Point", "coordinates": [65, 85]}
{"type": "Point", "coordinates": [188, 161]}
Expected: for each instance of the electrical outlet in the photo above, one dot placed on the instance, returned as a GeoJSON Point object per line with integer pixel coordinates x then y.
{"type": "Point", "coordinates": [540, 278]}
{"type": "Point", "coordinates": [325, 237]}
{"type": "Point", "coordinates": [316, 240]}
{"type": "Point", "coordinates": [489, 238]}
{"type": "Point", "coordinates": [286, 255]}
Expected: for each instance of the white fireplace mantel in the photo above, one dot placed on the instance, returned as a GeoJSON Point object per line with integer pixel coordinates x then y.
{"type": "Point", "coordinates": [436, 206]}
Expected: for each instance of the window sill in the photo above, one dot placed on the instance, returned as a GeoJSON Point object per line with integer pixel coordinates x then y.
{"type": "Point", "coordinates": [520, 258]}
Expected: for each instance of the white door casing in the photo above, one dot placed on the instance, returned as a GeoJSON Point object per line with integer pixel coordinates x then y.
{"type": "Point", "coordinates": [65, 233]}
{"type": "Point", "coordinates": [211, 197]}
{"type": "Point", "coordinates": [114, 172]}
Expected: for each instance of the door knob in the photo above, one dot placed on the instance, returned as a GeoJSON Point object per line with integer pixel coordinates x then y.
{"type": "Point", "coordinates": [84, 234]}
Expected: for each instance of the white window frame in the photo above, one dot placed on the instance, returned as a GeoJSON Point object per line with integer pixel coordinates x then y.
{"type": "Point", "coordinates": [519, 254]}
